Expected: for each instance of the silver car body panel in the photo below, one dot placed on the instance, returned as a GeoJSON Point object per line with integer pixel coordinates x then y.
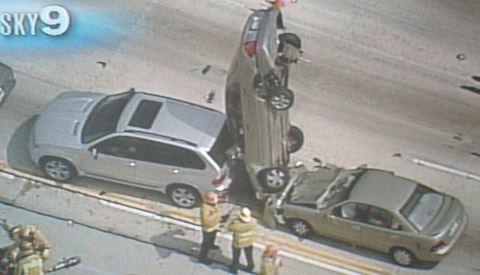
{"type": "Point", "coordinates": [264, 130]}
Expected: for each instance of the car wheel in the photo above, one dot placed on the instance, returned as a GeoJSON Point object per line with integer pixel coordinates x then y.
{"type": "Point", "coordinates": [273, 179]}
{"type": "Point", "coordinates": [300, 228]}
{"type": "Point", "coordinates": [281, 98]}
{"type": "Point", "coordinates": [183, 196]}
{"type": "Point", "coordinates": [289, 38]}
{"type": "Point", "coordinates": [295, 139]}
{"type": "Point", "coordinates": [402, 256]}
{"type": "Point", "coordinates": [58, 169]}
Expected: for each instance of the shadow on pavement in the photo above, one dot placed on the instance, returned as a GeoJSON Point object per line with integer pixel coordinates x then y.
{"type": "Point", "coordinates": [17, 150]}
{"type": "Point", "coordinates": [174, 242]}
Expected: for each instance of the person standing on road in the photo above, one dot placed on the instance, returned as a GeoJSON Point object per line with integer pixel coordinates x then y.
{"type": "Point", "coordinates": [270, 263]}
{"type": "Point", "coordinates": [211, 219]}
{"type": "Point", "coordinates": [243, 236]}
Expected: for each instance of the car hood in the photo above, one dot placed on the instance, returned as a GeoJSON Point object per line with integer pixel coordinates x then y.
{"type": "Point", "coordinates": [62, 118]}
{"type": "Point", "coordinates": [311, 185]}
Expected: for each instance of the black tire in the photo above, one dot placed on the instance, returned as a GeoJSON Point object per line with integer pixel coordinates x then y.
{"type": "Point", "coordinates": [58, 169]}
{"type": "Point", "coordinates": [281, 98]}
{"type": "Point", "coordinates": [300, 228]}
{"type": "Point", "coordinates": [183, 196]}
{"type": "Point", "coordinates": [289, 38]}
{"type": "Point", "coordinates": [402, 256]}
{"type": "Point", "coordinates": [273, 179]}
{"type": "Point", "coordinates": [295, 139]}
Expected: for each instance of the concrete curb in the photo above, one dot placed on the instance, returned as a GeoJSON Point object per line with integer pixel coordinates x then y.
{"type": "Point", "coordinates": [186, 216]}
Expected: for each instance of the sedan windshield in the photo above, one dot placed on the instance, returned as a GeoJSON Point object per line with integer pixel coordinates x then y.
{"type": "Point", "coordinates": [422, 207]}
{"type": "Point", "coordinates": [339, 189]}
{"type": "Point", "coordinates": [104, 117]}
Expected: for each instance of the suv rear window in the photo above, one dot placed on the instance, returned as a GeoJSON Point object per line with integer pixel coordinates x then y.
{"type": "Point", "coordinates": [145, 114]}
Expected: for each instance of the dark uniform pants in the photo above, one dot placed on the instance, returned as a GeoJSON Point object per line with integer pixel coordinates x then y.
{"type": "Point", "coordinates": [207, 244]}
{"type": "Point", "coordinates": [236, 258]}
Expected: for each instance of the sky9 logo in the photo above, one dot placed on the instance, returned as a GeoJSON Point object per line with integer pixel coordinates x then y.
{"type": "Point", "coordinates": [56, 20]}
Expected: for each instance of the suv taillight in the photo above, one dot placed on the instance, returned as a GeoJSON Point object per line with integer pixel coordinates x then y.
{"type": "Point", "coordinates": [250, 48]}
{"type": "Point", "coordinates": [438, 246]}
{"type": "Point", "coordinates": [218, 181]}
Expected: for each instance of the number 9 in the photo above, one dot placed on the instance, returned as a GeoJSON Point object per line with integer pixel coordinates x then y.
{"type": "Point", "coordinates": [57, 17]}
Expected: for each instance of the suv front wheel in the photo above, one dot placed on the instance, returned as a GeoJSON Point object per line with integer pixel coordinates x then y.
{"type": "Point", "coordinates": [183, 196]}
{"type": "Point", "coordinates": [58, 169]}
{"type": "Point", "coordinates": [281, 98]}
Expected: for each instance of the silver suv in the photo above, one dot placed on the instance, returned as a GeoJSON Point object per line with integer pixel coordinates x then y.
{"type": "Point", "coordinates": [7, 81]}
{"type": "Point", "coordinates": [258, 99]}
{"type": "Point", "coordinates": [134, 138]}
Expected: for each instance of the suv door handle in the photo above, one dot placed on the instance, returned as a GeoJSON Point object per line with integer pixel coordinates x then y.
{"type": "Point", "coordinates": [175, 171]}
{"type": "Point", "coordinates": [356, 227]}
{"type": "Point", "coordinates": [132, 164]}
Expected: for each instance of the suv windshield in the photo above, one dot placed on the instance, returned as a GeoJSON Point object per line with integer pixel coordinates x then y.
{"type": "Point", "coordinates": [104, 117]}
{"type": "Point", "coordinates": [222, 144]}
{"type": "Point", "coordinates": [422, 207]}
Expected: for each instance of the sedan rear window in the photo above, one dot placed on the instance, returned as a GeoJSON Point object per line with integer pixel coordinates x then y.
{"type": "Point", "coordinates": [422, 207]}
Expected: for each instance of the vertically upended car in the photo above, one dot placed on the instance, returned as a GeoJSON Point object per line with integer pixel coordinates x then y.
{"type": "Point", "coordinates": [134, 138]}
{"type": "Point", "coordinates": [371, 208]}
{"type": "Point", "coordinates": [258, 99]}
{"type": "Point", "coordinates": [7, 82]}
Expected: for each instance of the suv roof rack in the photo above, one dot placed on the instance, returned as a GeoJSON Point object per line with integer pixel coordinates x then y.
{"type": "Point", "coordinates": [162, 136]}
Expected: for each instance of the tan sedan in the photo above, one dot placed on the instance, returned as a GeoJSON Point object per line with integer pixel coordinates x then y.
{"type": "Point", "coordinates": [374, 209]}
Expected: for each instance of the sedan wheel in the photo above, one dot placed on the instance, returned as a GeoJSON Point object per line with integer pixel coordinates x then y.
{"type": "Point", "coordinates": [402, 256]}
{"type": "Point", "coordinates": [183, 196]}
{"type": "Point", "coordinates": [58, 169]}
{"type": "Point", "coordinates": [281, 98]}
{"type": "Point", "coordinates": [273, 179]}
{"type": "Point", "coordinates": [300, 228]}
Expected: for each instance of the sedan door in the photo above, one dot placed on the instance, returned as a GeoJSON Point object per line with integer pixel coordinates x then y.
{"type": "Point", "coordinates": [345, 222]}
{"type": "Point", "coordinates": [382, 231]}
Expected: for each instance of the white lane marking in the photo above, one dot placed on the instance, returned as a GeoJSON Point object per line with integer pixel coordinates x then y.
{"type": "Point", "coordinates": [227, 236]}
{"type": "Point", "coordinates": [446, 169]}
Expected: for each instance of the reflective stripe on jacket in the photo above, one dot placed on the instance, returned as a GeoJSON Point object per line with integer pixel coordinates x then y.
{"type": "Point", "coordinates": [210, 217]}
{"type": "Point", "coordinates": [270, 266]}
{"type": "Point", "coordinates": [30, 265]}
{"type": "Point", "coordinates": [243, 233]}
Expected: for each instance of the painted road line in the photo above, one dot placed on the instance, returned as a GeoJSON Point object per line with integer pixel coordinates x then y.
{"type": "Point", "coordinates": [447, 169]}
